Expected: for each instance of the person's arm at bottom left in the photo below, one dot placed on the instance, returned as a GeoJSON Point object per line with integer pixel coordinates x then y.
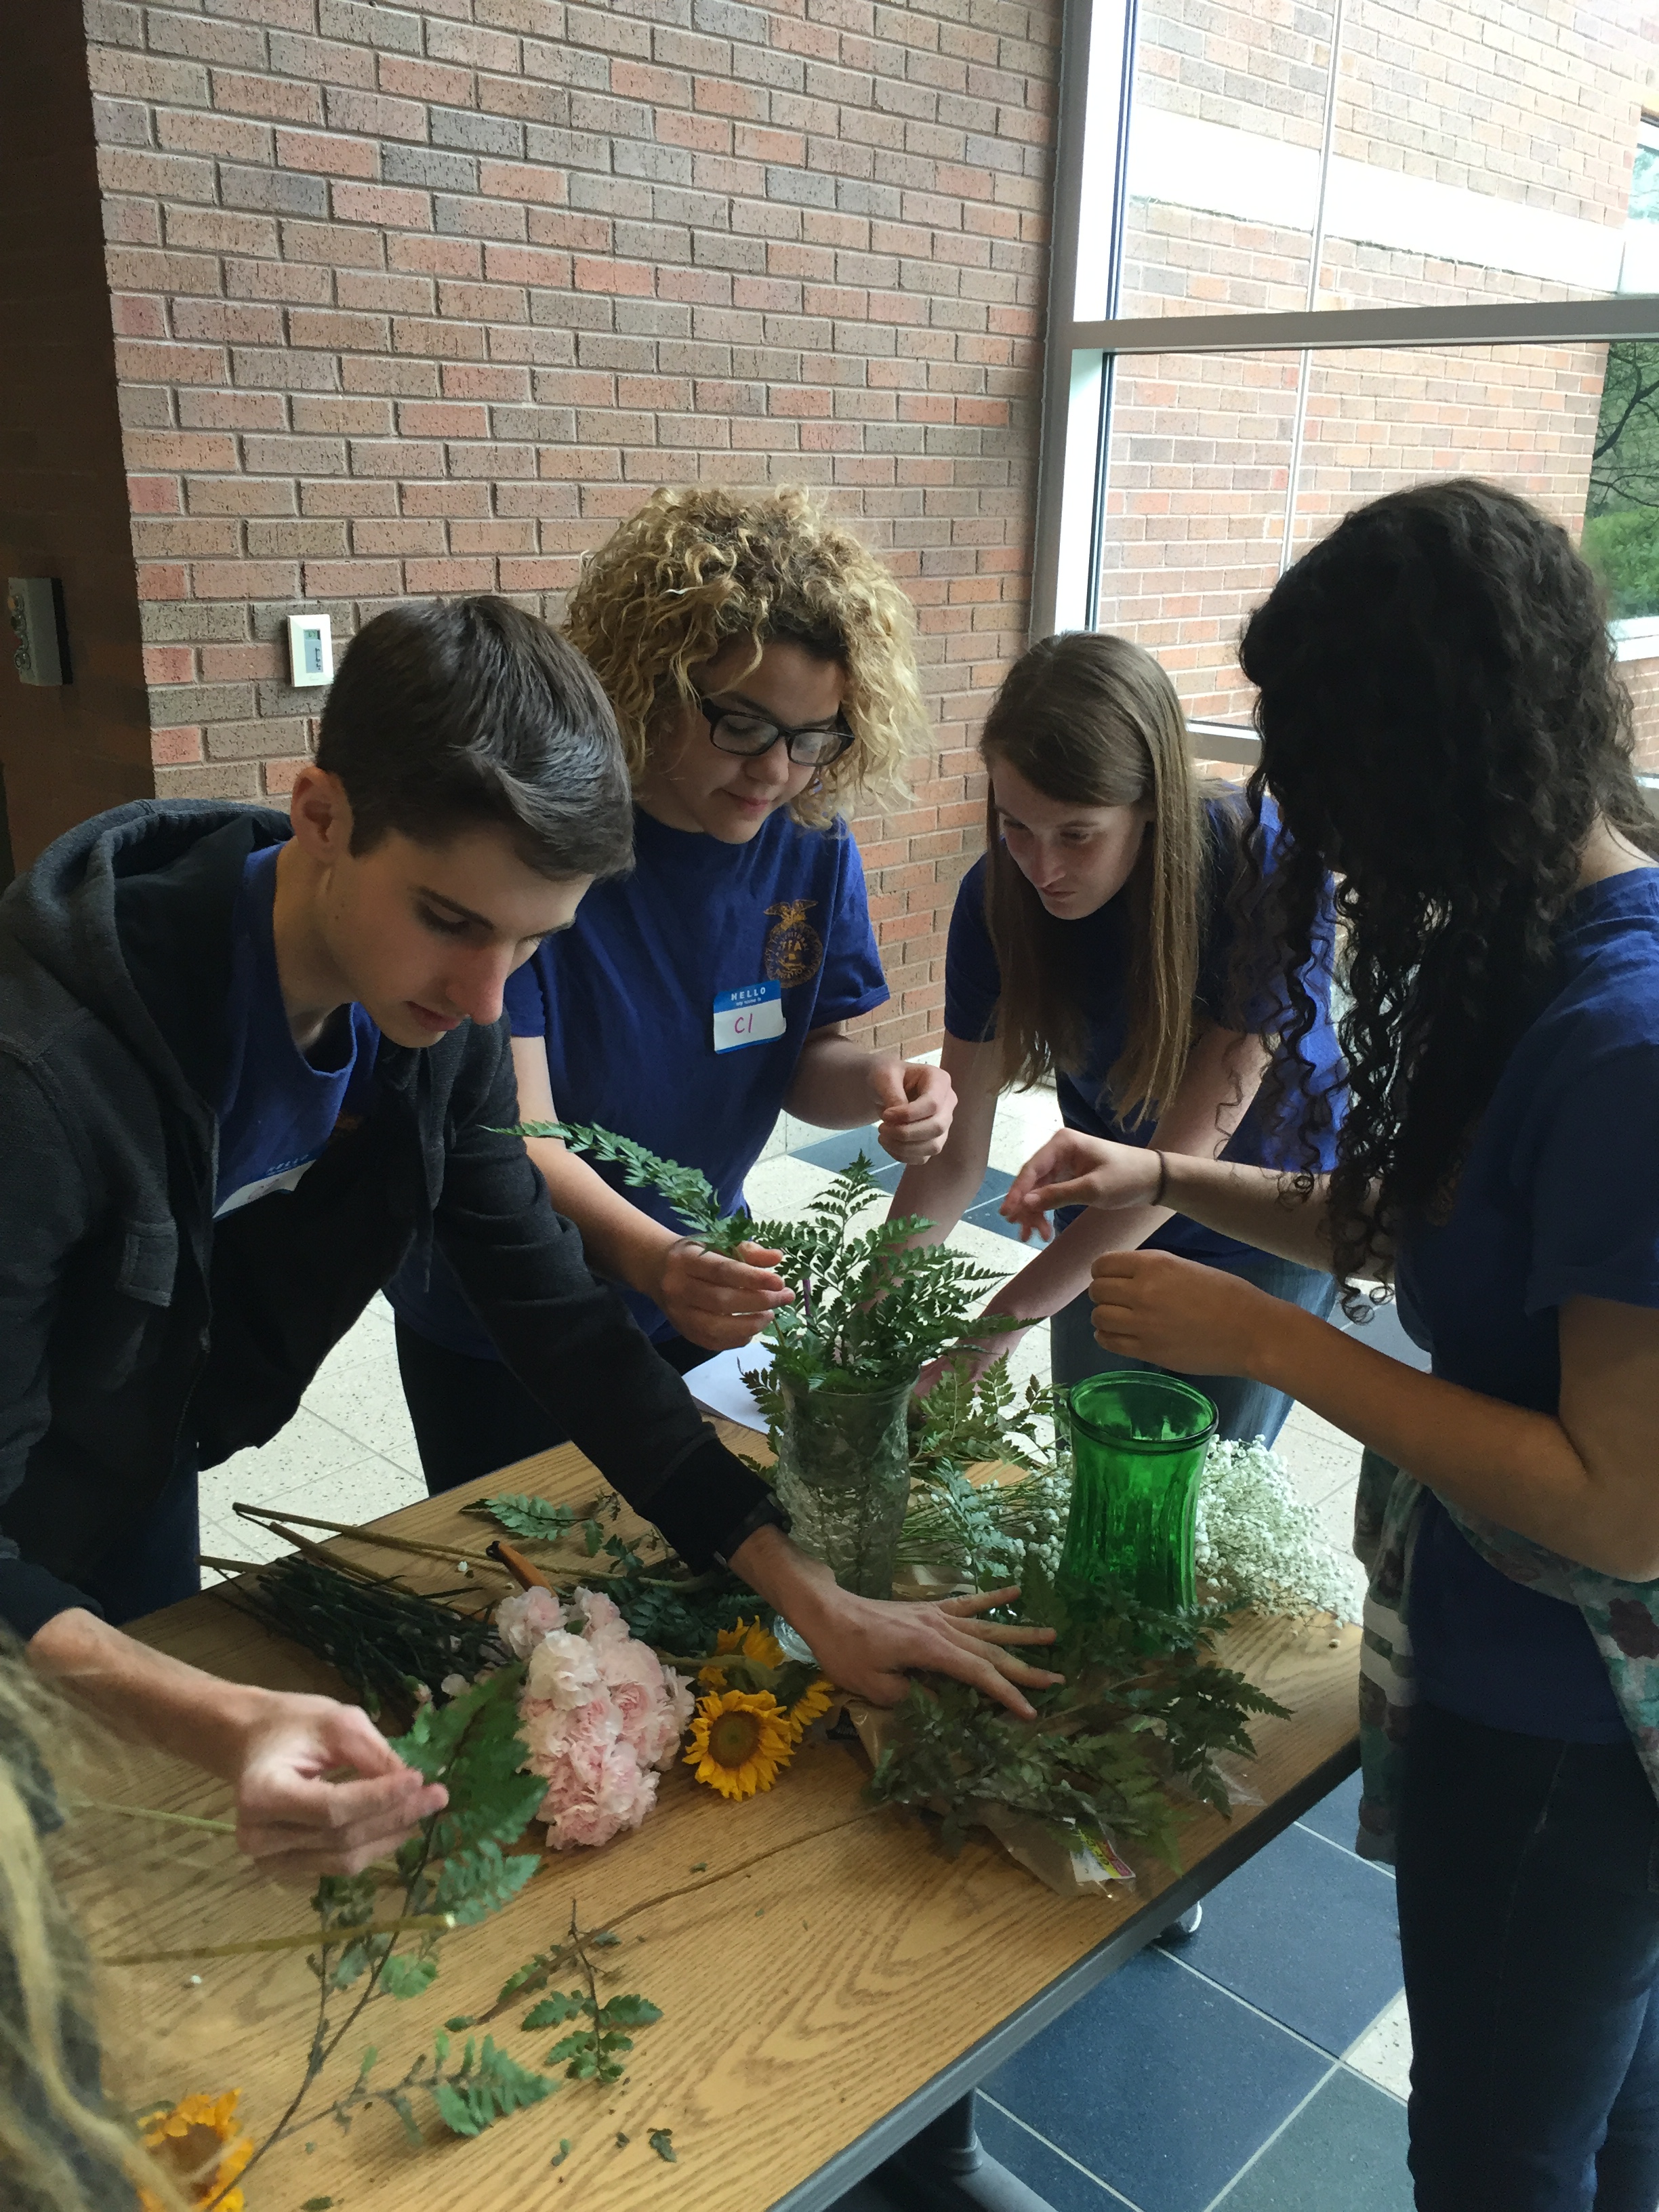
{"type": "Point", "coordinates": [277, 1749]}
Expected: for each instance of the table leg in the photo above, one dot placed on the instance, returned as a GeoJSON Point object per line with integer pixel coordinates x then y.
{"type": "Point", "coordinates": [947, 2169]}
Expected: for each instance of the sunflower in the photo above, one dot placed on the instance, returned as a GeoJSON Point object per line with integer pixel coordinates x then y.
{"type": "Point", "coordinates": [817, 1698]}
{"type": "Point", "coordinates": [748, 1640]}
{"type": "Point", "coordinates": [739, 1739]}
{"type": "Point", "coordinates": [202, 2148]}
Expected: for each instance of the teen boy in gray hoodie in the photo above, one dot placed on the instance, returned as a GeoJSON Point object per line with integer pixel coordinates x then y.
{"type": "Point", "coordinates": [247, 1067]}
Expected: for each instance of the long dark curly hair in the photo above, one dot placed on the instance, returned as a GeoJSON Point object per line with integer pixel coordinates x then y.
{"type": "Point", "coordinates": [1442, 724]}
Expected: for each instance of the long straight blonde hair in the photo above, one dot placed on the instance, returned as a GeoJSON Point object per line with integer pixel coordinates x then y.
{"type": "Point", "coordinates": [65, 2146]}
{"type": "Point", "coordinates": [1092, 720]}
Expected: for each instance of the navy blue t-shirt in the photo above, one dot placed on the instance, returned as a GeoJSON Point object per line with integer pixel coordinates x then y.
{"type": "Point", "coordinates": [1265, 1136]}
{"type": "Point", "coordinates": [278, 1108]}
{"type": "Point", "coordinates": [625, 1001]}
{"type": "Point", "coordinates": [1559, 1199]}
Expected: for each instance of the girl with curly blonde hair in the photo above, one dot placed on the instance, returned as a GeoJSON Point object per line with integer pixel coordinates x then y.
{"type": "Point", "coordinates": [761, 663]}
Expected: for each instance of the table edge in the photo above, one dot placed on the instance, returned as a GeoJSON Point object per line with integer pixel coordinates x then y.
{"type": "Point", "coordinates": [856, 2161]}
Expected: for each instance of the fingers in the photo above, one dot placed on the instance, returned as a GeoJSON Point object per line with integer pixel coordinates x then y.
{"type": "Point", "coordinates": [718, 1302]}
{"type": "Point", "coordinates": [887, 1083]}
{"type": "Point", "coordinates": [273, 1795]}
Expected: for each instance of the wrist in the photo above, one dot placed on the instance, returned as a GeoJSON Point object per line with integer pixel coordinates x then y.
{"type": "Point", "coordinates": [1282, 1343]}
{"type": "Point", "coordinates": [803, 1590]}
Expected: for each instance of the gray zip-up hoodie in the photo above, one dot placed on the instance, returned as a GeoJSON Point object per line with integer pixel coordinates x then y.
{"type": "Point", "coordinates": [133, 1327]}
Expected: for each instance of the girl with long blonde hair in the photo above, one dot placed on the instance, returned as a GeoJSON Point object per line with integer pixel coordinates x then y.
{"type": "Point", "coordinates": [1096, 942]}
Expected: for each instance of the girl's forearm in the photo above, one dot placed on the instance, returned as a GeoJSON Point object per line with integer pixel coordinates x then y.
{"type": "Point", "coordinates": [1061, 1269]}
{"type": "Point", "coordinates": [939, 1191]}
{"type": "Point", "coordinates": [618, 1238]}
{"type": "Point", "coordinates": [1251, 1204]}
{"type": "Point", "coordinates": [1507, 1463]}
{"type": "Point", "coordinates": [830, 1086]}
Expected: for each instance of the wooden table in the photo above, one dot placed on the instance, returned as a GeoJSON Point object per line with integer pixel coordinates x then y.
{"type": "Point", "coordinates": [830, 1984]}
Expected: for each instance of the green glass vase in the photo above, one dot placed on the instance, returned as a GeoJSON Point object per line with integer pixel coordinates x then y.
{"type": "Point", "coordinates": [843, 1473]}
{"type": "Point", "coordinates": [1139, 1442]}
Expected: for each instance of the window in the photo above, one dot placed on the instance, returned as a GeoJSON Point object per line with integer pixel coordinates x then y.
{"type": "Point", "coordinates": [1303, 256]}
{"type": "Point", "coordinates": [1621, 511]}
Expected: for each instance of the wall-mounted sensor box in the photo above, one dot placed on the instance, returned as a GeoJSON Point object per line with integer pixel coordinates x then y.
{"type": "Point", "coordinates": [34, 608]}
{"type": "Point", "coordinates": [310, 649]}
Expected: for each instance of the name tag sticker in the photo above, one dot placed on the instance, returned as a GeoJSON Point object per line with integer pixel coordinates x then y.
{"type": "Point", "coordinates": [751, 1016]}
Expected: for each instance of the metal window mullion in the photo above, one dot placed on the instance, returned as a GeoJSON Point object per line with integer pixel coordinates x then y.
{"type": "Point", "coordinates": [1095, 43]}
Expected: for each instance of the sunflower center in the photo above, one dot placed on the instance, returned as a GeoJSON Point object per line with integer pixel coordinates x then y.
{"type": "Point", "coordinates": [734, 1738]}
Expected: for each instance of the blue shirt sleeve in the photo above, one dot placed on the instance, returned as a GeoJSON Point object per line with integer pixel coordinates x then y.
{"type": "Point", "coordinates": [973, 978]}
{"type": "Point", "coordinates": [851, 981]}
{"type": "Point", "coordinates": [1588, 1157]}
{"type": "Point", "coordinates": [524, 998]}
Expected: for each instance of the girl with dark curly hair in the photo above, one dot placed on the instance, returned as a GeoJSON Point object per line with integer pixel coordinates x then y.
{"type": "Point", "coordinates": [1442, 726]}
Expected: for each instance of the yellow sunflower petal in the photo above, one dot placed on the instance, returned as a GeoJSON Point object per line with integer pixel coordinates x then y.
{"type": "Point", "coordinates": [815, 1699]}
{"type": "Point", "coordinates": [739, 1740]}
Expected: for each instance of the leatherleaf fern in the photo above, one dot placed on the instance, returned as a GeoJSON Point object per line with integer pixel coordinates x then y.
{"type": "Point", "coordinates": [1144, 1704]}
{"type": "Point", "coordinates": [871, 1306]}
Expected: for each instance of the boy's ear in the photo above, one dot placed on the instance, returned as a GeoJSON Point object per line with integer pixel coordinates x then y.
{"type": "Point", "coordinates": [320, 813]}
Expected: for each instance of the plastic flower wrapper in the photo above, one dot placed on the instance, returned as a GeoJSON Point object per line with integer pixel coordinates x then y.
{"type": "Point", "coordinates": [600, 1714]}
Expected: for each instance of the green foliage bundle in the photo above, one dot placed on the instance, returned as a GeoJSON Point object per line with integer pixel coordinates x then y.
{"type": "Point", "coordinates": [1144, 1701]}
{"type": "Point", "coordinates": [988, 1534]}
{"type": "Point", "coordinates": [871, 1307]}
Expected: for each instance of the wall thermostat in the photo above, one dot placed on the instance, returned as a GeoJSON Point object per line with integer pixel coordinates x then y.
{"type": "Point", "coordinates": [34, 608]}
{"type": "Point", "coordinates": [310, 649]}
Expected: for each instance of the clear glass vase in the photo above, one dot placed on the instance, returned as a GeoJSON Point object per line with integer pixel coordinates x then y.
{"type": "Point", "coordinates": [1138, 1443]}
{"type": "Point", "coordinates": [843, 1474]}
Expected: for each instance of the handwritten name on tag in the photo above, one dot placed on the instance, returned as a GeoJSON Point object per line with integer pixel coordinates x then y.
{"type": "Point", "coordinates": [750, 1016]}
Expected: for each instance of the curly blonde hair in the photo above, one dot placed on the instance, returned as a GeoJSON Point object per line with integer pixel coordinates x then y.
{"type": "Point", "coordinates": [694, 570]}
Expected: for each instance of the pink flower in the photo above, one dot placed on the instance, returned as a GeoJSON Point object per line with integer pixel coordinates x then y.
{"type": "Point", "coordinates": [650, 1719]}
{"type": "Point", "coordinates": [522, 1620]}
{"type": "Point", "coordinates": [603, 1623]}
{"type": "Point", "coordinates": [598, 1713]}
{"type": "Point", "coordinates": [595, 1783]}
{"type": "Point", "coordinates": [564, 1668]}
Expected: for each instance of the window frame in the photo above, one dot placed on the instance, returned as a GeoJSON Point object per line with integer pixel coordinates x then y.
{"type": "Point", "coordinates": [1094, 114]}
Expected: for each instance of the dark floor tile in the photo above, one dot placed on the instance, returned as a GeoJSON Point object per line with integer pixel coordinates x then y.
{"type": "Point", "coordinates": [1337, 1817]}
{"type": "Point", "coordinates": [1306, 1934]}
{"type": "Point", "coordinates": [1053, 2177]}
{"type": "Point", "coordinates": [1346, 2147]}
{"type": "Point", "coordinates": [842, 1146]}
{"type": "Point", "coordinates": [1159, 2083]}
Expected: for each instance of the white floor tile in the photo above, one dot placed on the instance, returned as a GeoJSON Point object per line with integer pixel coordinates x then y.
{"type": "Point", "coordinates": [365, 1403]}
{"type": "Point", "coordinates": [307, 1448]}
{"type": "Point", "coordinates": [1025, 1119]}
{"type": "Point", "coordinates": [1383, 2053]}
{"type": "Point", "coordinates": [781, 1188]}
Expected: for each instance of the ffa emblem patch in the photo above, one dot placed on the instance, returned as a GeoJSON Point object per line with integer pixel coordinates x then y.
{"type": "Point", "coordinates": [795, 952]}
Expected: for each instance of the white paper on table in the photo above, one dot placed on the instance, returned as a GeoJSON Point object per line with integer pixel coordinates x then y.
{"type": "Point", "coordinates": [719, 1388]}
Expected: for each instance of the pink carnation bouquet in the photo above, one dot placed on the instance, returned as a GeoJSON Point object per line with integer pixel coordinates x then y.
{"type": "Point", "coordinates": [600, 1714]}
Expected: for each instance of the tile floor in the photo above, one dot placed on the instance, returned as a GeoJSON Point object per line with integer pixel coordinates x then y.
{"type": "Point", "coordinates": [1261, 2065]}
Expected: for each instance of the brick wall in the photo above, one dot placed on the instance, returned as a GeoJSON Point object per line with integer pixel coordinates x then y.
{"type": "Point", "coordinates": [420, 300]}
{"type": "Point", "coordinates": [66, 752]}
{"type": "Point", "coordinates": [1642, 681]}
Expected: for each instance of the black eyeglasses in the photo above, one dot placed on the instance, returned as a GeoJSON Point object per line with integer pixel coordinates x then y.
{"type": "Point", "coordinates": [740, 730]}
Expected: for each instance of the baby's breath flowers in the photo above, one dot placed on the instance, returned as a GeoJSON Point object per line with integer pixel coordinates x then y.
{"type": "Point", "coordinates": [1257, 1544]}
